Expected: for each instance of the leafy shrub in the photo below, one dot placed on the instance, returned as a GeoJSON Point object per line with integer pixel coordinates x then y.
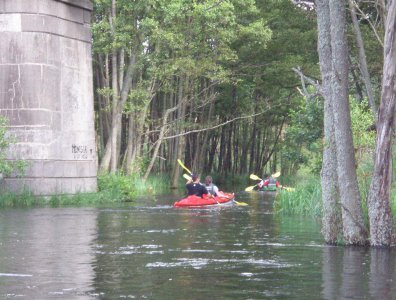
{"type": "Point", "coordinates": [8, 167]}
{"type": "Point", "coordinates": [305, 199]}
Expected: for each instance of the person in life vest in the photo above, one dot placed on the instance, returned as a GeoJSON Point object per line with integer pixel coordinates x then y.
{"type": "Point", "coordinates": [194, 186]}
{"type": "Point", "coordinates": [269, 183]}
{"type": "Point", "coordinates": [210, 186]}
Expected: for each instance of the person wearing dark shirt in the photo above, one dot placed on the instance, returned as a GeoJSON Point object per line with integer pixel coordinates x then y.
{"type": "Point", "coordinates": [194, 186]}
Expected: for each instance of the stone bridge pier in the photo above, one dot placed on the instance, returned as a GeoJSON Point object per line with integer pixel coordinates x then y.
{"type": "Point", "coordinates": [46, 92]}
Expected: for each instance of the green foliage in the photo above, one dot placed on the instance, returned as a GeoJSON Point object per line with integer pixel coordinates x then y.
{"type": "Point", "coordinates": [302, 143]}
{"type": "Point", "coordinates": [372, 47]}
{"type": "Point", "coordinates": [364, 135]}
{"type": "Point", "coordinates": [8, 167]}
{"type": "Point", "coordinates": [138, 99]}
{"type": "Point", "coordinates": [129, 187]}
{"type": "Point", "coordinates": [293, 43]}
{"type": "Point", "coordinates": [306, 199]}
{"type": "Point", "coordinates": [364, 139]}
{"type": "Point", "coordinates": [242, 51]}
{"type": "Point", "coordinates": [112, 189]}
{"type": "Point", "coordinates": [25, 199]}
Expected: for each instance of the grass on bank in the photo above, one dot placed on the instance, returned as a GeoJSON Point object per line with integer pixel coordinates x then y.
{"type": "Point", "coordinates": [111, 189]}
{"type": "Point", "coordinates": [306, 199]}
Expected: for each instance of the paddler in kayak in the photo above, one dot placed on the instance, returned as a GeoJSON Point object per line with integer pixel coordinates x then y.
{"type": "Point", "coordinates": [210, 186]}
{"type": "Point", "coordinates": [194, 186]}
{"type": "Point", "coordinates": [269, 183]}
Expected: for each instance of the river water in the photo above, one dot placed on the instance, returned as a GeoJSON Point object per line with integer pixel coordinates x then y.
{"type": "Point", "coordinates": [154, 251]}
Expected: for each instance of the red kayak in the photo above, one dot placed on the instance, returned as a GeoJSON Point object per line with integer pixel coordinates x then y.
{"type": "Point", "coordinates": [221, 198]}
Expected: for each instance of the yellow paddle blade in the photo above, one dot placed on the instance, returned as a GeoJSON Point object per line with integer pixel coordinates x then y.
{"type": "Point", "coordinates": [240, 203]}
{"type": "Point", "coordinates": [250, 188]}
{"type": "Point", "coordinates": [187, 176]}
{"type": "Point", "coordinates": [183, 166]}
{"type": "Point", "coordinates": [254, 177]}
{"type": "Point", "coordinates": [275, 175]}
{"type": "Point", "coordinates": [287, 188]}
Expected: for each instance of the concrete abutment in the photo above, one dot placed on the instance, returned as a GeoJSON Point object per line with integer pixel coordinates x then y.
{"type": "Point", "coordinates": [46, 92]}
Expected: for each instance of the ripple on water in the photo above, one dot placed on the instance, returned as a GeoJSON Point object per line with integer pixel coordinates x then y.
{"type": "Point", "coordinates": [133, 249]}
{"type": "Point", "coordinates": [14, 275]}
{"type": "Point", "coordinates": [198, 263]}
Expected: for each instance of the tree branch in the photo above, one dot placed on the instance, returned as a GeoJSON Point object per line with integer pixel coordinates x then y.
{"type": "Point", "coordinates": [305, 79]}
{"type": "Point", "coordinates": [213, 127]}
{"type": "Point", "coordinates": [214, 5]}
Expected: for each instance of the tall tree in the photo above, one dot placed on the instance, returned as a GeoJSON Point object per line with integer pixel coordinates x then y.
{"type": "Point", "coordinates": [331, 221]}
{"type": "Point", "coordinates": [330, 192]}
{"type": "Point", "coordinates": [354, 230]}
{"type": "Point", "coordinates": [333, 44]}
{"type": "Point", "coordinates": [380, 211]}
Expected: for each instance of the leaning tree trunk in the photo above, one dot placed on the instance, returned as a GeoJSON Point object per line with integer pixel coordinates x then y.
{"type": "Point", "coordinates": [380, 211]}
{"type": "Point", "coordinates": [354, 229]}
{"type": "Point", "coordinates": [158, 143]}
{"type": "Point", "coordinates": [362, 59]}
{"type": "Point", "coordinates": [331, 221]}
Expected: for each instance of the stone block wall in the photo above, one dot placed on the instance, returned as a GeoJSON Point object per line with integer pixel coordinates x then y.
{"type": "Point", "coordinates": [46, 92]}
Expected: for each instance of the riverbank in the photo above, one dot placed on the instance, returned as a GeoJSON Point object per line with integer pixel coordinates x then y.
{"type": "Point", "coordinates": [306, 198]}
{"type": "Point", "coordinates": [111, 189]}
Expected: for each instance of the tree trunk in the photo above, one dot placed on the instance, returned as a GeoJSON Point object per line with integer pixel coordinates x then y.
{"type": "Point", "coordinates": [205, 135]}
{"type": "Point", "coordinates": [354, 229]}
{"type": "Point", "coordinates": [380, 211]}
{"type": "Point", "coordinates": [180, 141]}
{"type": "Point", "coordinates": [362, 59]}
{"type": "Point", "coordinates": [331, 221]}
{"type": "Point", "coordinates": [105, 162]}
{"type": "Point", "coordinates": [106, 154]}
{"type": "Point", "coordinates": [114, 86]}
{"type": "Point", "coordinates": [159, 141]}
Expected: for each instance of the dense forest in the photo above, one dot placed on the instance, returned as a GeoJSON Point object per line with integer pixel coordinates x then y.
{"type": "Point", "coordinates": [246, 86]}
{"type": "Point", "coordinates": [210, 82]}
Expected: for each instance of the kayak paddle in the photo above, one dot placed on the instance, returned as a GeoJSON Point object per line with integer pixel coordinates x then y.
{"type": "Point", "coordinates": [240, 203]}
{"type": "Point", "coordinates": [187, 177]}
{"type": "Point", "coordinates": [183, 166]}
{"type": "Point", "coordinates": [250, 188]}
{"type": "Point", "coordinates": [276, 175]}
{"type": "Point", "coordinates": [289, 189]}
{"type": "Point", "coordinates": [255, 177]}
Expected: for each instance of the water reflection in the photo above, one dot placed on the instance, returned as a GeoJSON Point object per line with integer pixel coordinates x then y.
{"type": "Point", "coordinates": [382, 273]}
{"type": "Point", "coordinates": [358, 273]}
{"type": "Point", "coordinates": [154, 251]}
{"type": "Point", "coordinates": [46, 253]}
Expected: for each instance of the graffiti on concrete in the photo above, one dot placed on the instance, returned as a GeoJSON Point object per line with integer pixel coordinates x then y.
{"type": "Point", "coordinates": [82, 151]}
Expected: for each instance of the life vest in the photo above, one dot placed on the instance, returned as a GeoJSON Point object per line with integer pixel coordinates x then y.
{"type": "Point", "coordinates": [210, 188]}
{"type": "Point", "coordinates": [273, 183]}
